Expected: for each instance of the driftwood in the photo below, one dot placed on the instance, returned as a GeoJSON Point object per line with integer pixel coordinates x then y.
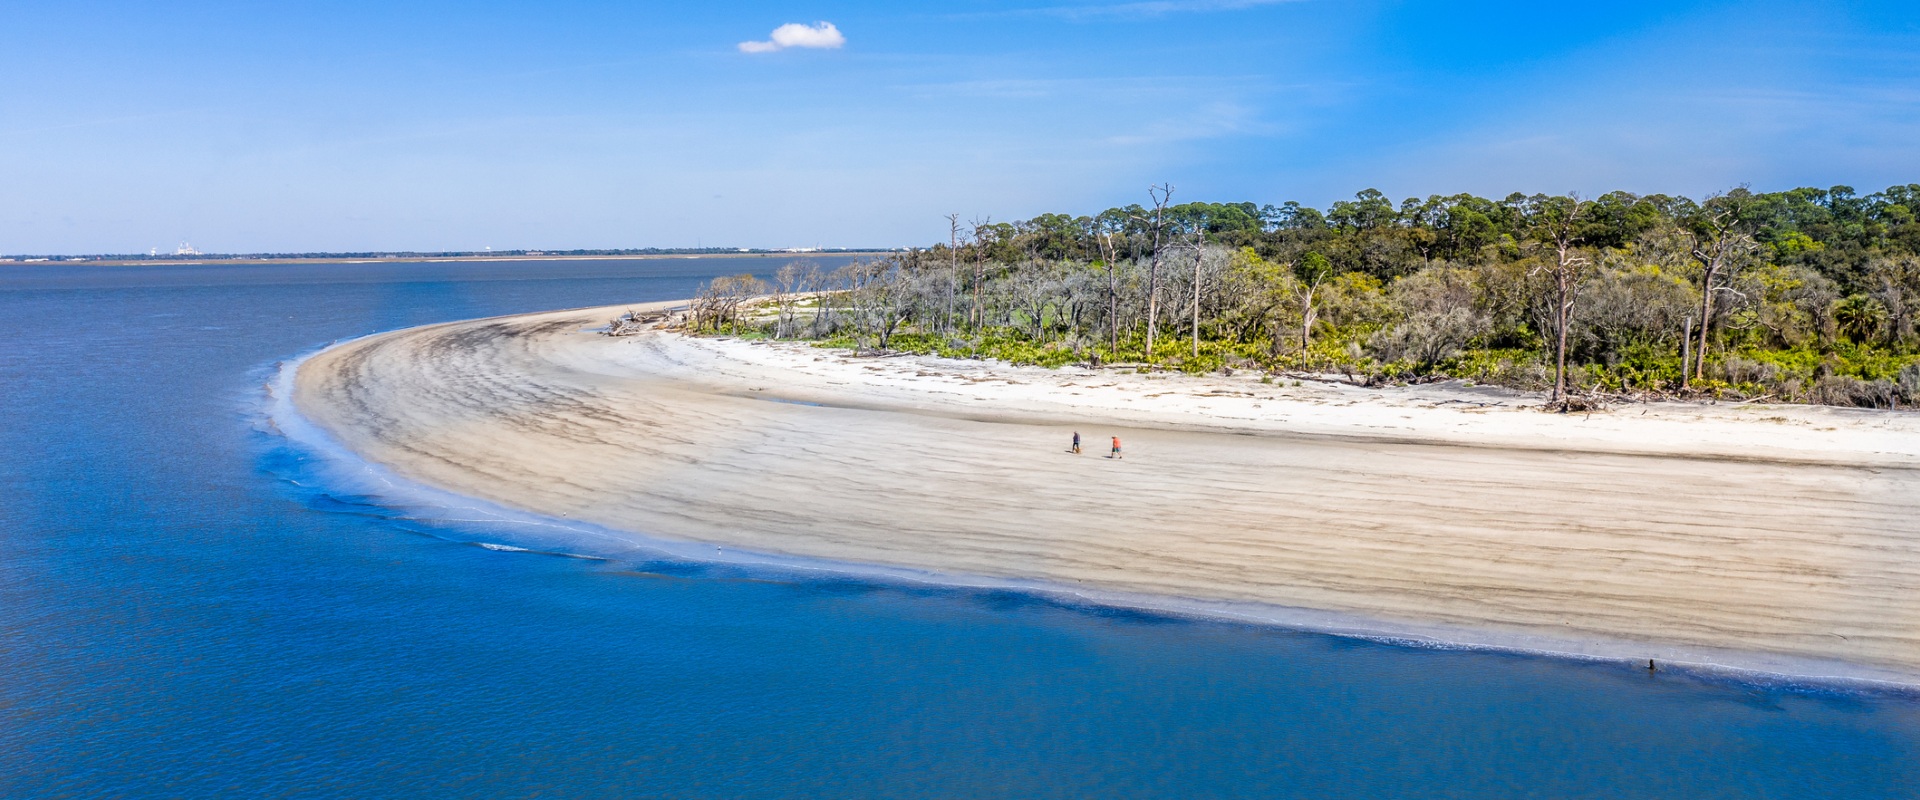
{"type": "Point", "coordinates": [1575, 402]}
{"type": "Point", "coordinates": [634, 322]}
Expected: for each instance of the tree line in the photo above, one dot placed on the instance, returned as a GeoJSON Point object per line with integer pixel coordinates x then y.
{"type": "Point", "coordinates": [1805, 295]}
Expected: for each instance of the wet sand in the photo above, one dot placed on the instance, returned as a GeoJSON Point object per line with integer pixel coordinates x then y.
{"type": "Point", "coordinates": [1778, 538]}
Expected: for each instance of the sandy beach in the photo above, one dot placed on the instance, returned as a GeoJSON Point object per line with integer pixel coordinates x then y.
{"type": "Point", "coordinates": [1778, 538]}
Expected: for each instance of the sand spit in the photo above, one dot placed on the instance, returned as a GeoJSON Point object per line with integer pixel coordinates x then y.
{"type": "Point", "coordinates": [1783, 539]}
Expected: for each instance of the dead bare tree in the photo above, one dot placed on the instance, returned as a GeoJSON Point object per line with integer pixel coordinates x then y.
{"type": "Point", "coordinates": [718, 303]}
{"type": "Point", "coordinates": [1895, 282]}
{"type": "Point", "coordinates": [1035, 290]}
{"type": "Point", "coordinates": [1110, 256]}
{"type": "Point", "coordinates": [882, 295]}
{"type": "Point", "coordinates": [981, 227]}
{"type": "Point", "coordinates": [1310, 273]}
{"type": "Point", "coordinates": [1199, 246]}
{"type": "Point", "coordinates": [791, 282]}
{"type": "Point", "coordinates": [1721, 238]}
{"type": "Point", "coordinates": [1161, 195]}
{"type": "Point", "coordinates": [953, 268]}
{"type": "Point", "coordinates": [1556, 224]}
{"type": "Point", "coordinates": [830, 291]}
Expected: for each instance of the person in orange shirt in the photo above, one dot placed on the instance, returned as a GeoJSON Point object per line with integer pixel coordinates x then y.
{"type": "Point", "coordinates": [1116, 448]}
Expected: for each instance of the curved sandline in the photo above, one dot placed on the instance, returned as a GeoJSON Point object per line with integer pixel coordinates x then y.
{"type": "Point", "coordinates": [1378, 536]}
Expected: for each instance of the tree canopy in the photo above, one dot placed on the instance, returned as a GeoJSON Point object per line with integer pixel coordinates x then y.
{"type": "Point", "coordinates": [1806, 294]}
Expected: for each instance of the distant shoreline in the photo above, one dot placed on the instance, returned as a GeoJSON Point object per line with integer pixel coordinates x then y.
{"type": "Point", "coordinates": [122, 262]}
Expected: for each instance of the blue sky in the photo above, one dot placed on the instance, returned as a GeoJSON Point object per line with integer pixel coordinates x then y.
{"type": "Point", "coordinates": [375, 125]}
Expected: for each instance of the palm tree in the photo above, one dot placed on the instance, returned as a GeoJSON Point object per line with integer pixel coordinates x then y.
{"type": "Point", "coordinates": [1860, 318]}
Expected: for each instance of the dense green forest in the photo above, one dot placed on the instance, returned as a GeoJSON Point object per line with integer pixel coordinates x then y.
{"type": "Point", "coordinates": [1805, 295]}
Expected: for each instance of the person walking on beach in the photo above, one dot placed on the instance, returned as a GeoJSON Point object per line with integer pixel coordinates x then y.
{"type": "Point", "coordinates": [1116, 448]}
{"type": "Point", "coordinates": [1076, 443]}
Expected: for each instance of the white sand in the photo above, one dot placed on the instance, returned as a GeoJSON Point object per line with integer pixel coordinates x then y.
{"type": "Point", "coordinates": [1779, 538]}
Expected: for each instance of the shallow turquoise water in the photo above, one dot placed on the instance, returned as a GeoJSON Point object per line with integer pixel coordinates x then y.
{"type": "Point", "coordinates": [181, 617]}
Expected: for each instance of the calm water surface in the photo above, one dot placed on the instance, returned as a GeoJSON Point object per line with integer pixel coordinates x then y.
{"type": "Point", "coordinates": [179, 619]}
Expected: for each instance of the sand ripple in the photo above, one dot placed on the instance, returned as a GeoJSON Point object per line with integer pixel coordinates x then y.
{"type": "Point", "coordinates": [1801, 557]}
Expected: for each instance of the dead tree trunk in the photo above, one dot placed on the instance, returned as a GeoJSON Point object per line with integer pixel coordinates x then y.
{"type": "Point", "coordinates": [1558, 224]}
{"type": "Point", "coordinates": [1720, 238]}
{"type": "Point", "coordinates": [1160, 194]}
{"type": "Point", "coordinates": [953, 269]}
{"type": "Point", "coordinates": [1309, 312]}
{"type": "Point", "coordinates": [1709, 272]}
{"type": "Point", "coordinates": [1112, 254]}
{"type": "Point", "coordinates": [1563, 316]}
{"type": "Point", "coordinates": [1199, 258]}
{"type": "Point", "coordinates": [975, 316]}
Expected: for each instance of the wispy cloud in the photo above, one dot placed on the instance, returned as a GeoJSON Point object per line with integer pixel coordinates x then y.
{"type": "Point", "coordinates": [92, 122]}
{"type": "Point", "coordinates": [1141, 9]}
{"type": "Point", "coordinates": [819, 36]}
{"type": "Point", "coordinates": [1210, 121]}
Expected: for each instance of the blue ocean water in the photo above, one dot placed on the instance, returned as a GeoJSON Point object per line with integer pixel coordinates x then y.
{"type": "Point", "coordinates": [180, 616]}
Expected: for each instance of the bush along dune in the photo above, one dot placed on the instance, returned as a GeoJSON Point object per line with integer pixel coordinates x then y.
{"type": "Point", "coordinates": [1804, 296]}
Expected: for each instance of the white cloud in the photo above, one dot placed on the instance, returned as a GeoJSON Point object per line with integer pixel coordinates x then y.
{"type": "Point", "coordinates": [819, 35]}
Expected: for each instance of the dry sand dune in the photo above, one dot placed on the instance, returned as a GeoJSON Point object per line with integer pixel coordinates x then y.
{"type": "Point", "coordinates": [1783, 539]}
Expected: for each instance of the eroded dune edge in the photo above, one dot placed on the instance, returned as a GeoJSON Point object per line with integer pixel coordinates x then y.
{"type": "Point", "coordinates": [1776, 539]}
